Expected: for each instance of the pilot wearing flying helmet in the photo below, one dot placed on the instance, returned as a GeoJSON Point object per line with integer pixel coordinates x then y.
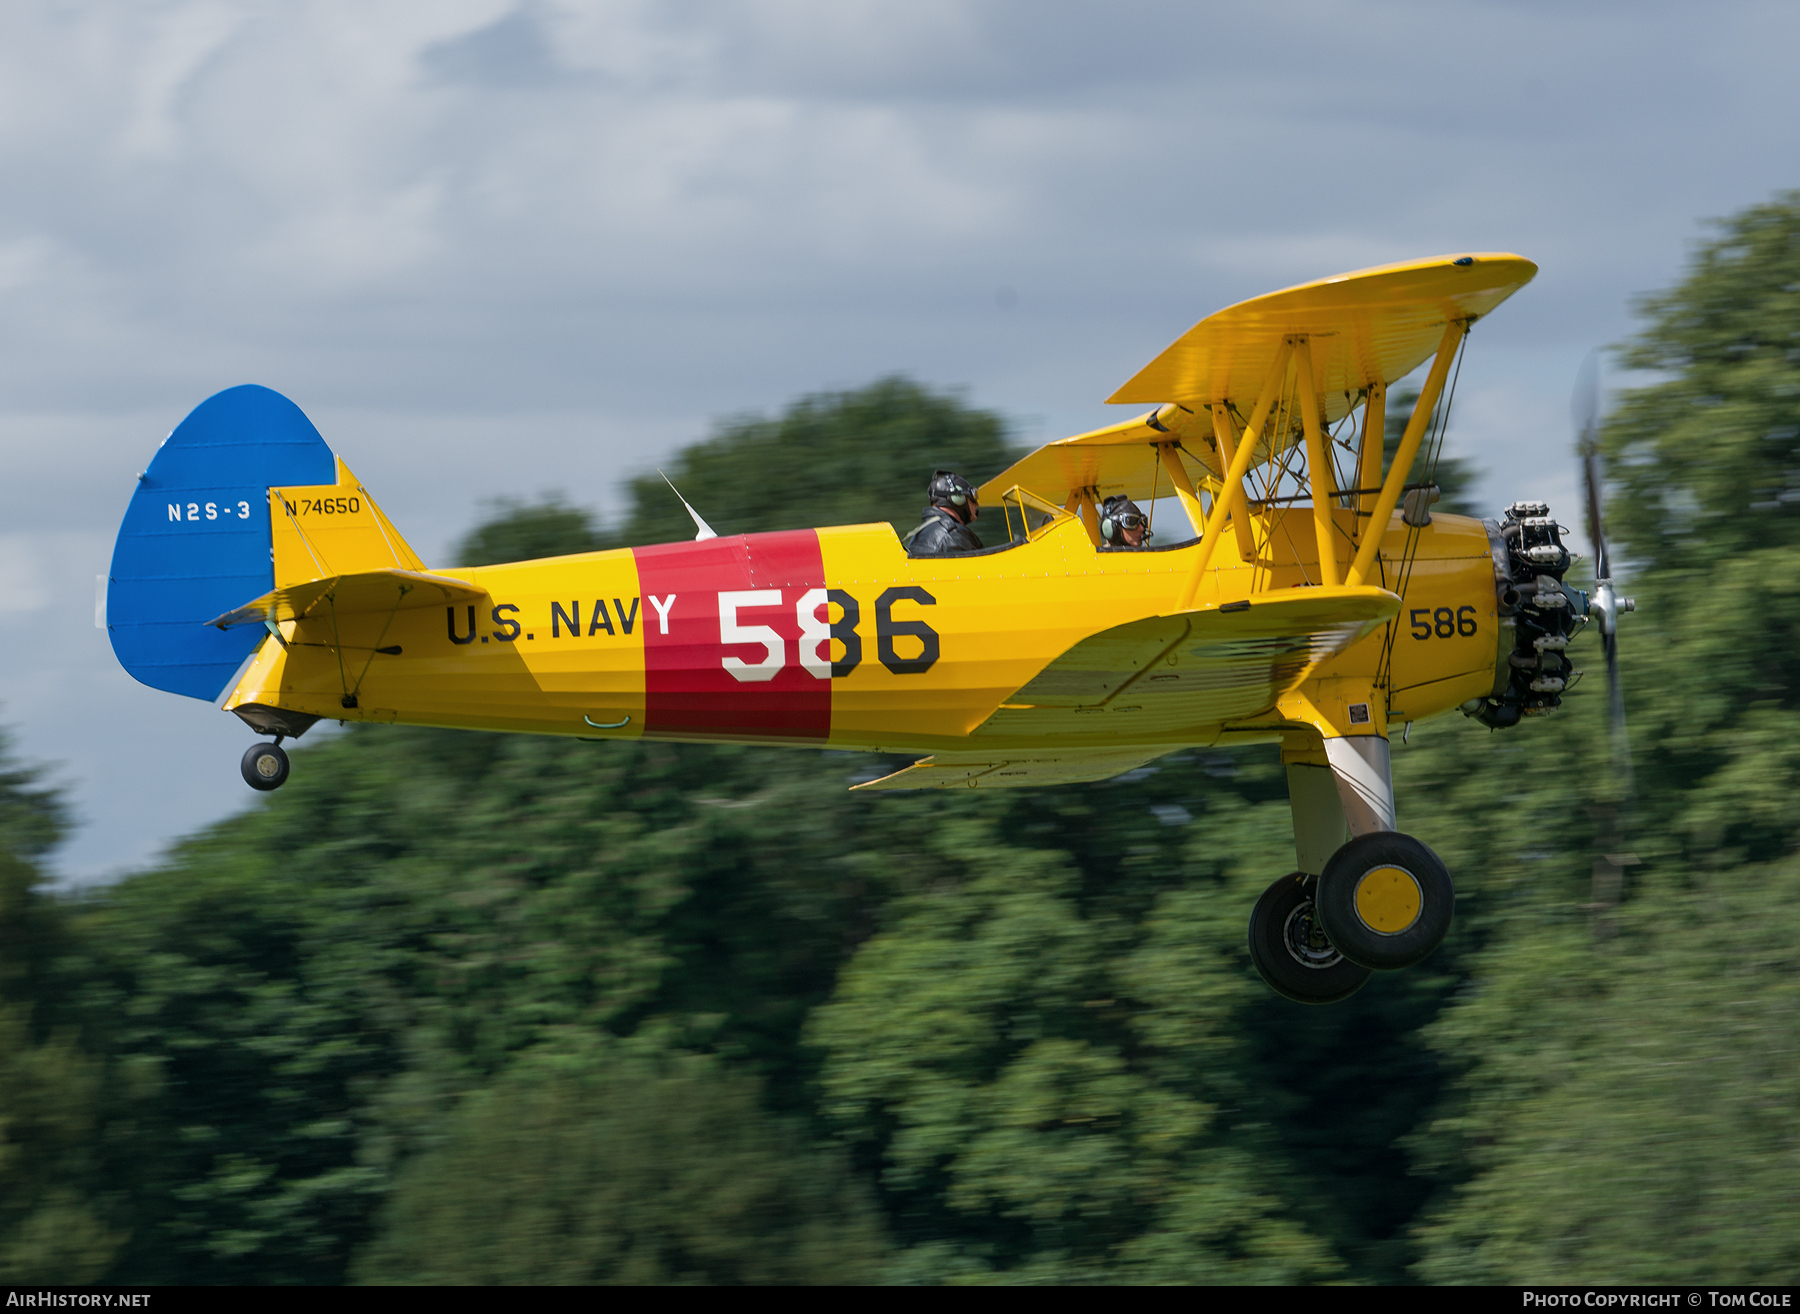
{"type": "Point", "coordinates": [1122, 524]}
{"type": "Point", "coordinates": [945, 530]}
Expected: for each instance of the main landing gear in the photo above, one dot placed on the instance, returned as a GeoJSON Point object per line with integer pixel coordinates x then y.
{"type": "Point", "coordinates": [1291, 951]}
{"type": "Point", "coordinates": [265, 766]}
{"type": "Point", "coordinates": [1383, 902]}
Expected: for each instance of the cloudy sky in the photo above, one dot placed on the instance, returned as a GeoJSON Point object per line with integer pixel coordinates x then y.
{"type": "Point", "coordinates": [496, 247]}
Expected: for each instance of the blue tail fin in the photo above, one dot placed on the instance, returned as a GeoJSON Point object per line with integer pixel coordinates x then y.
{"type": "Point", "coordinates": [196, 543]}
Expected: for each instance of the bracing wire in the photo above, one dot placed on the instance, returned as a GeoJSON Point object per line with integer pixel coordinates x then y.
{"type": "Point", "coordinates": [1332, 443]}
{"type": "Point", "coordinates": [1155, 482]}
{"type": "Point", "coordinates": [1440, 425]}
{"type": "Point", "coordinates": [1434, 449]}
{"type": "Point", "coordinates": [1287, 467]}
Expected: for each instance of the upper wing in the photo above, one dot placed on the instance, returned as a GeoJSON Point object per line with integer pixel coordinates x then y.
{"type": "Point", "coordinates": [1120, 458]}
{"type": "Point", "coordinates": [1373, 325]}
{"type": "Point", "coordinates": [1198, 668]}
{"type": "Point", "coordinates": [368, 591]}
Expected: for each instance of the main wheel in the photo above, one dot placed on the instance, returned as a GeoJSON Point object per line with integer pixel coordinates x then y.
{"type": "Point", "coordinates": [1291, 950]}
{"type": "Point", "coordinates": [1386, 900]}
{"type": "Point", "coordinates": [265, 766]}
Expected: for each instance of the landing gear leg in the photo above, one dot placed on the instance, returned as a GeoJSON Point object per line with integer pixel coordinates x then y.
{"type": "Point", "coordinates": [1291, 950]}
{"type": "Point", "coordinates": [1377, 902]}
{"type": "Point", "coordinates": [265, 766]}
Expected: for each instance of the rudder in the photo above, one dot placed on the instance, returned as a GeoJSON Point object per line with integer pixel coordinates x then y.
{"type": "Point", "coordinates": [196, 538]}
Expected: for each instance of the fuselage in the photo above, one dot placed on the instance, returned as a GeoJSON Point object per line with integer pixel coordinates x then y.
{"type": "Point", "coordinates": [836, 637]}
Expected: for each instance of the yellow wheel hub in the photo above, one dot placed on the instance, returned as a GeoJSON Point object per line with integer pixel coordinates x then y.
{"type": "Point", "coordinates": [1388, 900]}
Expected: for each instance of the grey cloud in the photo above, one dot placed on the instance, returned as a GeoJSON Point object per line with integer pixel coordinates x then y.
{"type": "Point", "coordinates": [510, 53]}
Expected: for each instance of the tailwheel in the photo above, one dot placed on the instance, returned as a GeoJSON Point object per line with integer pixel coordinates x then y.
{"type": "Point", "coordinates": [265, 766]}
{"type": "Point", "coordinates": [1386, 900]}
{"type": "Point", "coordinates": [1291, 950]}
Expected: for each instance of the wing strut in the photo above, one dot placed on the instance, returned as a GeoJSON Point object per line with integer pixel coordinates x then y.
{"type": "Point", "coordinates": [1184, 485]}
{"type": "Point", "coordinates": [1318, 464]}
{"type": "Point", "coordinates": [1409, 448]}
{"type": "Point", "coordinates": [1081, 506]}
{"type": "Point", "coordinates": [1225, 435]}
{"type": "Point", "coordinates": [1233, 486]}
{"type": "Point", "coordinates": [1368, 473]}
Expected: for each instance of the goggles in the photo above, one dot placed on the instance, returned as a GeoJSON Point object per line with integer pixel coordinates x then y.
{"type": "Point", "coordinates": [1130, 520]}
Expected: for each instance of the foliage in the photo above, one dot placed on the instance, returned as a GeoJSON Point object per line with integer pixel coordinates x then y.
{"type": "Point", "coordinates": [445, 906]}
{"type": "Point", "coordinates": [1046, 1071]}
{"type": "Point", "coordinates": [315, 984]}
{"type": "Point", "coordinates": [1632, 1114]}
{"type": "Point", "coordinates": [610, 1166]}
{"type": "Point", "coordinates": [1708, 459]}
{"type": "Point", "coordinates": [832, 458]}
{"type": "Point", "coordinates": [51, 1227]}
{"type": "Point", "coordinates": [525, 531]}
{"type": "Point", "coordinates": [1628, 1109]}
{"type": "Point", "coordinates": [842, 458]}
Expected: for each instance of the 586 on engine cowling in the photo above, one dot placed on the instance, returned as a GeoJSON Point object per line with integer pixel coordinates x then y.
{"type": "Point", "coordinates": [1443, 622]}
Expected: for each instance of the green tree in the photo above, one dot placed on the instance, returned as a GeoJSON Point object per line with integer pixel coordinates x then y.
{"type": "Point", "coordinates": [1629, 1116]}
{"type": "Point", "coordinates": [525, 531]}
{"type": "Point", "coordinates": [1627, 1109]}
{"type": "Point", "coordinates": [318, 983]}
{"type": "Point", "coordinates": [609, 1166]}
{"type": "Point", "coordinates": [1707, 461]}
{"type": "Point", "coordinates": [1042, 1075]}
{"type": "Point", "coordinates": [53, 1224]}
{"type": "Point", "coordinates": [832, 458]}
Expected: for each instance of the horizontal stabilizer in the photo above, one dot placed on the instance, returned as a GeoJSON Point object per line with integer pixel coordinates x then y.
{"type": "Point", "coordinates": [368, 591]}
{"type": "Point", "coordinates": [1013, 771]}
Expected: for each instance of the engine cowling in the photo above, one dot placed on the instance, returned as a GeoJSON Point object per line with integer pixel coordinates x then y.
{"type": "Point", "coordinates": [1540, 612]}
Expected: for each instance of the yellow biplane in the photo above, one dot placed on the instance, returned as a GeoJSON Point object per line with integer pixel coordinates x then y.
{"type": "Point", "coordinates": [1321, 604]}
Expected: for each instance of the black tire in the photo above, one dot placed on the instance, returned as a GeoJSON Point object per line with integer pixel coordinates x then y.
{"type": "Point", "coordinates": [1291, 951]}
{"type": "Point", "coordinates": [1386, 900]}
{"type": "Point", "coordinates": [265, 766]}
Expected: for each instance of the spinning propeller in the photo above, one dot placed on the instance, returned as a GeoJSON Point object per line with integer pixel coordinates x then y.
{"type": "Point", "coordinates": [1607, 603]}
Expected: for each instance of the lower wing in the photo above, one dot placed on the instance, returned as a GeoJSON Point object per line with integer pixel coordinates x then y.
{"type": "Point", "coordinates": [1197, 668]}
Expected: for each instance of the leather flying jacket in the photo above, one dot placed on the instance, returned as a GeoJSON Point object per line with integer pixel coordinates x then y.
{"type": "Point", "coordinates": [942, 535]}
